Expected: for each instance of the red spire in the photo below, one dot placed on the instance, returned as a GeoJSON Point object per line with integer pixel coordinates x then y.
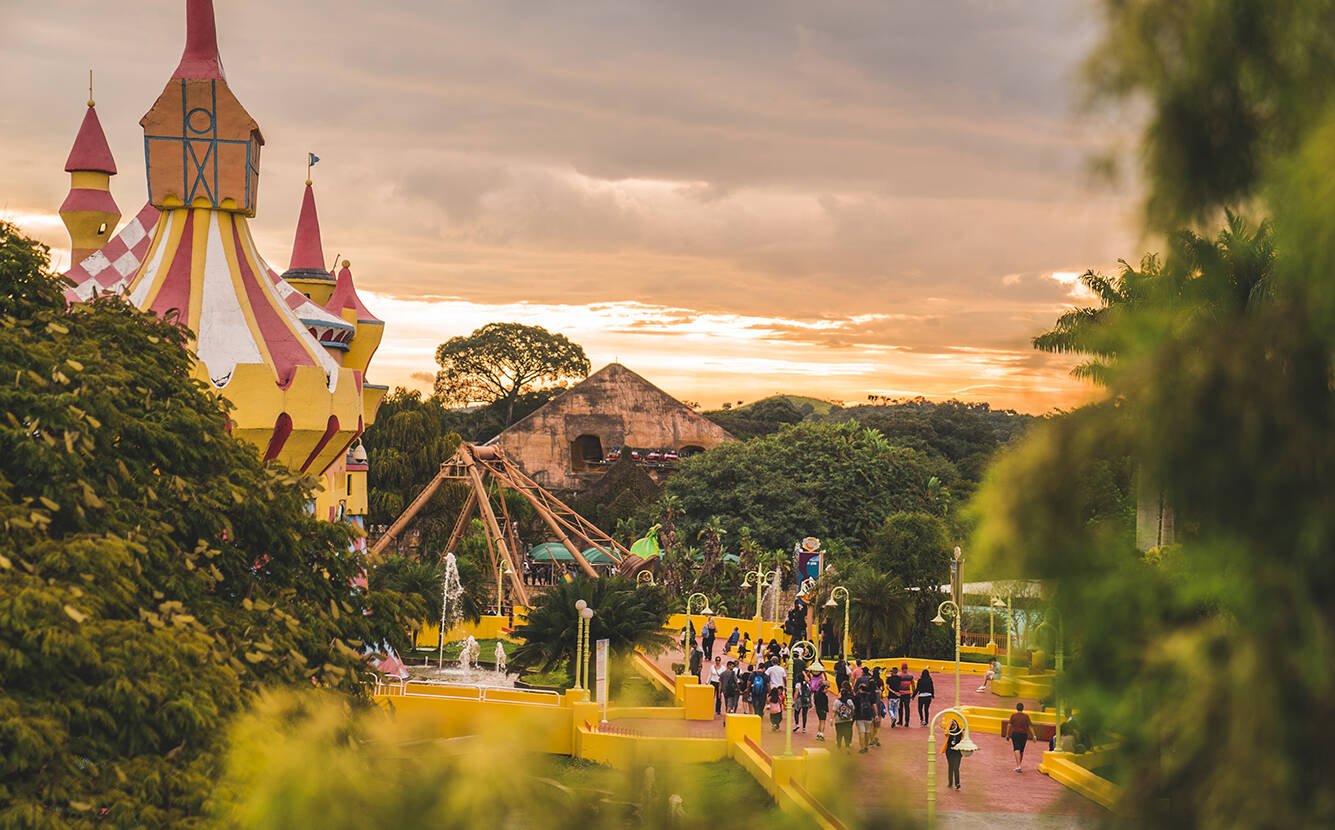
{"type": "Point", "coordinates": [200, 60]}
{"type": "Point", "coordinates": [307, 250]}
{"type": "Point", "coordinates": [90, 153]}
{"type": "Point", "coordinates": [345, 296]}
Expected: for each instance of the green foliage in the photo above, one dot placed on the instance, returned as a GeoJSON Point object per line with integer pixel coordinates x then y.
{"type": "Point", "coordinates": [880, 613]}
{"type": "Point", "coordinates": [836, 481]}
{"type": "Point", "coordinates": [405, 447]}
{"type": "Point", "coordinates": [629, 616]}
{"type": "Point", "coordinates": [1221, 391]}
{"type": "Point", "coordinates": [155, 573]}
{"type": "Point", "coordinates": [502, 361]}
{"type": "Point", "coordinates": [915, 549]}
{"type": "Point", "coordinates": [308, 761]}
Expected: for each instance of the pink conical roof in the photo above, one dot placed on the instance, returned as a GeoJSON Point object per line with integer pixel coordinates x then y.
{"type": "Point", "coordinates": [91, 153]}
{"type": "Point", "coordinates": [200, 61]}
{"type": "Point", "coordinates": [307, 250]}
{"type": "Point", "coordinates": [345, 296]}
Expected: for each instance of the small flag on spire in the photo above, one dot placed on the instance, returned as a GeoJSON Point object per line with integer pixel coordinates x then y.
{"type": "Point", "coordinates": [311, 161]}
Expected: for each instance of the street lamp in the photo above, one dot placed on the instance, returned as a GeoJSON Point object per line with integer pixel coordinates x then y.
{"type": "Point", "coordinates": [580, 607]}
{"type": "Point", "coordinates": [831, 603]}
{"type": "Point", "coordinates": [810, 649]}
{"type": "Point", "coordinates": [644, 578]}
{"type": "Point", "coordinates": [502, 570]}
{"type": "Point", "coordinates": [762, 578]}
{"type": "Point", "coordinates": [1056, 679]}
{"type": "Point", "coordinates": [686, 630]}
{"type": "Point", "coordinates": [586, 617]}
{"type": "Point", "coordinates": [965, 746]}
{"type": "Point", "coordinates": [950, 607]}
{"type": "Point", "coordinates": [997, 603]}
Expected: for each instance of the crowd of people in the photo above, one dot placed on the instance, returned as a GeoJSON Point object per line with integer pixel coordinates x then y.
{"type": "Point", "coordinates": [856, 703]}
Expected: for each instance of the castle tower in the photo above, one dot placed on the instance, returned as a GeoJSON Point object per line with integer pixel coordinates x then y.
{"type": "Point", "coordinates": [253, 331]}
{"type": "Point", "coordinates": [89, 212]}
{"type": "Point", "coordinates": [306, 271]}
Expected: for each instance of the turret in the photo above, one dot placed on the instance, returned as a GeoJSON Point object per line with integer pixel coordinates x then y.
{"type": "Point", "coordinates": [89, 212]}
{"type": "Point", "coordinates": [202, 147]}
{"type": "Point", "coordinates": [345, 303]}
{"type": "Point", "coordinates": [306, 271]}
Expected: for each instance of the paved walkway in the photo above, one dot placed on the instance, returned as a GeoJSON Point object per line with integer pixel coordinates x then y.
{"type": "Point", "coordinates": [894, 775]}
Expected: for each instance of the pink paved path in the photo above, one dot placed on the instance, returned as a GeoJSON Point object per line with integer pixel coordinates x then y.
{"type": "Point", "coordinates": [894, 775]}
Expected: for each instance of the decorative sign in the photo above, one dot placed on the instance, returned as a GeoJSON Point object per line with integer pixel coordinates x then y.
{"type": "Point", "coordinates": [600, 673]}
{"type": "Point", "coordinates": [811, 544]}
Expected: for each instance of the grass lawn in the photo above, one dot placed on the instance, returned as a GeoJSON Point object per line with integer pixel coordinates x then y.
{"type": "Point", "coordinates": [707, 790]}
{"type": "Point", "coordinates": [486, 650]}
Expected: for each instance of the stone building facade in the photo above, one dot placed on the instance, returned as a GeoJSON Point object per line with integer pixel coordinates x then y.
{"type": "Point", "coordinates": [565, 444]}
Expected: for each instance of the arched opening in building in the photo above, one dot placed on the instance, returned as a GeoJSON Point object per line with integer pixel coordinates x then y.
{"type": "Point", "coordinates": [690, 450]}
{"type": "Point", "coordinates": [586, 453]}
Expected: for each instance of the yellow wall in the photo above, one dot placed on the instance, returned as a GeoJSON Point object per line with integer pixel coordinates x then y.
{"type": "Point", "coordinates": [534, 728]}
{"type": "Point", "coordinates": [490, 627]}
{"type": "Point", "coordinates": [758, 629]}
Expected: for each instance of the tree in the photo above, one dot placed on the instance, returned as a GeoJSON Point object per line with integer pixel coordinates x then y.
{"type": "Point", "coordinates": [155, 576]}
{"type": "Point", "coordinates": [915, 548]}
{"type": "Point", "coordinates": [836, 481]}
{"type": "Point", "coordinates": [1229, 407]}
{"type": "Point", "coordinates": [500, 362]}
{"type": "Point", "coordinates": [630, 616]}
{"type": "Point", "coordinates": [880, 612]}
{"type": "Point", "coordinates": [405, 447]}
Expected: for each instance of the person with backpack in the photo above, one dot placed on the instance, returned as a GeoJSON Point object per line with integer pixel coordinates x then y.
{"type": "Point", "coordinates": [775, 708]}
{"type": "Point", "coordinates": [821, 699]}
{"type": "Point", "coordinates": [864, 711]}
{"type": "Point", "coordinates": [926, 691]}
{"type": "Point", "coordinates": [844, 709]}
{"type": "Point", "coordinates": [731, 689]}
{"type": "Point", "coordinates": [905, 694]}
{"type": "Point", "coordinates": [759, 687]}
{"type": "Point", "coordinates": [802, 702]}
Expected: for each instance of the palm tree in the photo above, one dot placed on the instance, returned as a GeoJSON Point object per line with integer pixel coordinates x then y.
{"type": "Point", "coordinates": [711, 545]}
{"type": "Point", "coordinates": [1223, 276]}
{"type": "Point", "coordinates": [629, 616]}
{"type": "Point", "coordinates": [669, 510]}
{"type": "Point", "coordinates": [880, 613]}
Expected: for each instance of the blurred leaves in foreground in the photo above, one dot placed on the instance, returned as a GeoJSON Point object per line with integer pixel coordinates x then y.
{"type": "Point", "coordinates": [1211, 661]}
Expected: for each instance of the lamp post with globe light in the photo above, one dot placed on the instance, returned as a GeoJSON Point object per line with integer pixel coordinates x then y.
{"type": "Point", "coordinates": [846, 645]}
{"type": "Point", "coordinates": [1010, 623]}
{"type": "Point", "coordinates": [951, 608]}
{"type": "Point", "coordinates": [810, 654]}
{"type": "Point", "coordinates": [760, 578]}
{"type": "Point", "coordinates": [686, 631]}
{"type": "Point", "coordinates": [965, 746]}
{"type": "Point", "coordinates": [586, 619]}
{"type": "Point", "coordinates": [580, 605]}
{"type": "Point", "coordinates": [1056, 680]}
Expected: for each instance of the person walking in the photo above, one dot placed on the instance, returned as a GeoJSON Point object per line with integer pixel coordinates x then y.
{"type": "Point", "coordinates": [1022, 731]}
{"type": "Point", "coordinates": [892, 696]}
{"type": "Point", "coordinates": [953, 755]}
{"type": "Point", "coordinates": [844, 709]}
{"type": "Point", "coordinates": [864, 711]}
{"type": "Point", "coordinates": [707, 635]}
{"type": "Point", "coordinates": [878, 686]}
{"type": "Point", "coordinates": [841, 673]}
{"type": "Point", "coordinates": [716, 680]}
{"type": "Point", "coordinates": [926, 690]}
{"type": "Point", "coordinates": [905, 694]}
{"type": "Point", "coordinates": [775, 707]}
{"type": "Point", "coordinates": [759, 687]}
{"type": "Point", "coordinates": [802, 702]}
{"type": "Point", "coordinates": [820, 698]}
{"type": "Point", "coordinates": [731, 688]}
{"type": "Point", "coordinates": [697, 657]}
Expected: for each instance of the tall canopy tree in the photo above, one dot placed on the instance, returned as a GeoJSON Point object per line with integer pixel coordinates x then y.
{"type": "Point", "coordinates": [500, 362]}
{"type": "Point", "coordinates": [155, 574]}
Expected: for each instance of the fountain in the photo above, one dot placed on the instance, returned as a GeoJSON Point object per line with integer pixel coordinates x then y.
{"type": "Point", "coordinates": [468, 654]}
{"type": "Point", "coordinates": [500, 660]}
{"type": "Point", "coordinates": [451, 605]}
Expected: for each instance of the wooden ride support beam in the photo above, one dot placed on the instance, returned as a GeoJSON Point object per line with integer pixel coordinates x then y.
{"type": "Point", "coordinates": [411, 511]}
{"type": "Point", "coordinates": [556, 528]}
{"type": "Point", "coordinates": [493, 527]}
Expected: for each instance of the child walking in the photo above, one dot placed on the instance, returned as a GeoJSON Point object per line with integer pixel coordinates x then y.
{"type": "Point", "coordinates": [775, 707]}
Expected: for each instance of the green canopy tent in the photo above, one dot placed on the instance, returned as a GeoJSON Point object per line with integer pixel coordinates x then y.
{"type": "Point", "coordinates": [557, 552]}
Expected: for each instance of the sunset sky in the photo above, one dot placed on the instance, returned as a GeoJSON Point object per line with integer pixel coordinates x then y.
{"type": "Point", "coordinates": [734, 199]}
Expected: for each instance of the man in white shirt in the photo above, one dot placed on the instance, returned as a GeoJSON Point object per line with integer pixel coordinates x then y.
{"type": "Point", "coordinates": [716, 677]}
{"type": "Point", "coordinates": [778, 678]}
